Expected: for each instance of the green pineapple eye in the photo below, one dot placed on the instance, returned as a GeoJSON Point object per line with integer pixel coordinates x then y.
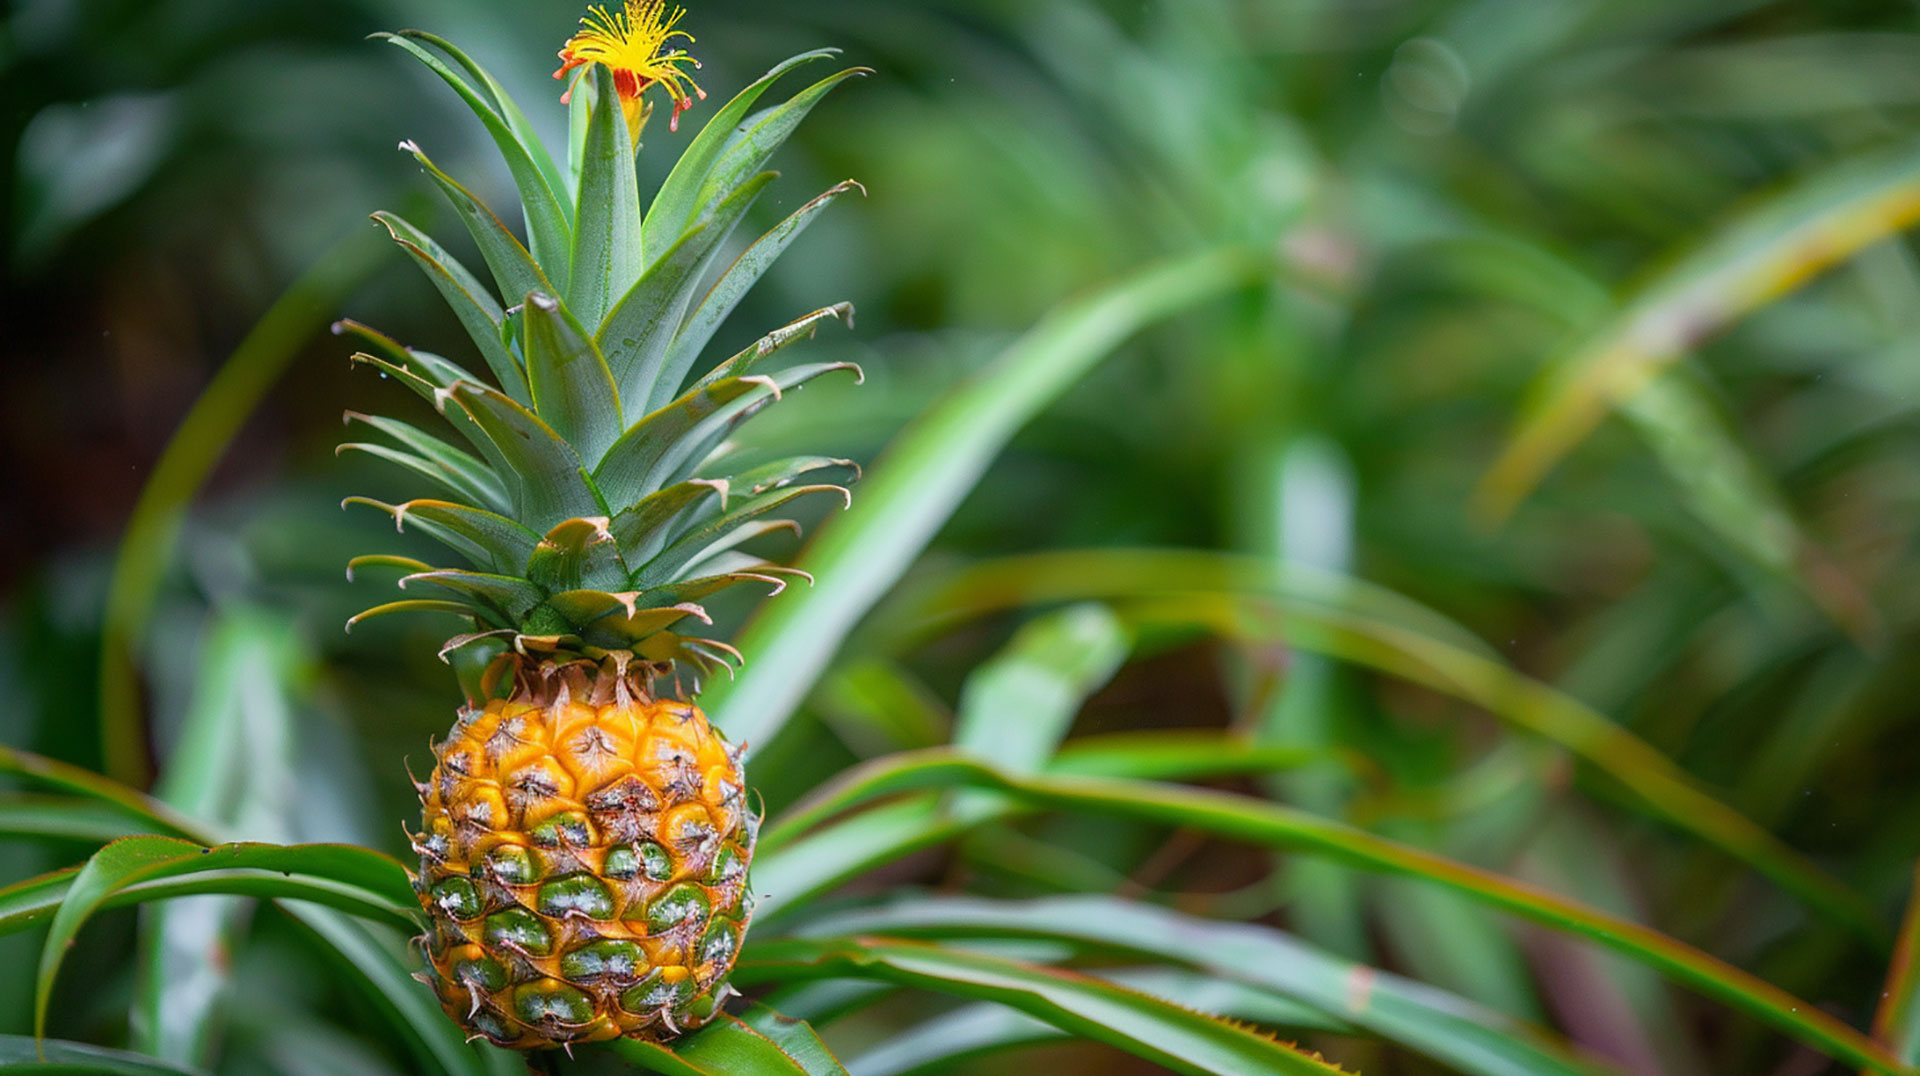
{"type": "Point", "coordinates": [549, 1000]}
{"type": "Point", "coordinates": [520, 929]}
{"type": "Point", "coordinates": [608, 958]}
{"type": "Point", "coordinates": [656, 991]}
{"type": "Point", "coordinates": [482, 971]}
{"type": "Point", "coordinates": [512, 865]}
{"type": "Point", "coordinates": [576, 894]}
{"type": "Point", "coordinates": [622, 863]}
{"type": "Point", "coordinates": [683, 904]}
{"type": "Point", "coordinates": [656, 862]}
{"type": "Point", "coordinates": [457, 897]}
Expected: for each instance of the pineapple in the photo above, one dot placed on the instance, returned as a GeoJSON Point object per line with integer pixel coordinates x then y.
{"type": "Point", "coordinates": [586, 833]}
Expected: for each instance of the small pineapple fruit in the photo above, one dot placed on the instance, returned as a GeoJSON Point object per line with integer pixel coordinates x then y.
{"type": "Point", "coordinates": [586, 833]}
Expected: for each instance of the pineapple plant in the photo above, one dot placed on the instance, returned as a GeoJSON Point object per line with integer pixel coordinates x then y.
{"type": "Point", "coordinates": [586, 833]}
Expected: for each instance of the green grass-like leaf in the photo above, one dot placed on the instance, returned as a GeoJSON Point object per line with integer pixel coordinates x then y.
{"type": "Point", "coordinates": [756, 1041]}
{"type": "Point", "coordinates": [929, 468]}
{"type": "Point", "coordinates": [1167, 1034]}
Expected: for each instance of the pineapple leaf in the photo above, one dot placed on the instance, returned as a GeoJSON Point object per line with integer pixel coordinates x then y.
{"type": "Point", "coordinates": [930, 468]}
{"type": "Point", "coordinates": [405, 565]}
{"type": "Point", "coordinates": [548, 230]}
{"type": "Point", "coordinates": [792, 332]}
{"type": "Point", "coordinates": [796, 869]}
{"type": "Point", "coordinates": [607, 257]}
{"type": "Point", "coordinates": [426, 605]}
{"type": "Point", "coordinates": [512, 267]}
{"type": "Point", "coordinates": [1464, 1035]}
{"type": "Point", "coordinates": [747, 151]}
{"type": "Point", "coordinates": [31, 903]}
{"type": "Point", "coordinates": [52, 1056]}
{"type": "Point", "coordinates": [691, 589]}
{"type": "Point", "coordinates": [774, 475]}
{"type": "Point", "coordinates": [977, 1030]}
{"type": "Point", "coordinates": [484, 538]}
{"type": "Point", "coordinates": [66, 777]}
{"type": "Point", "coordinates": [721, 547]}
{"type": "Point", "coordinates": [616, 620]}
{"type": "Point", "coordinates": [637, 333]}
{"type": "Point", "coordinates": [755, 1042]}
{"type": "Point", "coordinates": [683, 459]}
{"type": "Point", "coordinates": [707, 539]}
{"type": "Point", "coordinates": [577, 554]}
{"type": "Point", "coordinates": [649, 524]}
{"type": "Point", "coordinates": [511, 597]}
{"type": "Point", "coordinates": [71, 818]}
{"type": "Point", "coordinates": [428, 380]}
{"type": "Point", "coordinates": [436, 1042]}
{"type": "Point", "coordinates": [1149, 1027]}
{"type": "Point", "coordinates": [1015, 709]}
{"type": "Point", "coordinates": [458, 471]}
{"type": "Point", "coordinates": [509, 111]}
{"type": "Point", "coordinates": [746, 270]}
{"type": "Point", "coordinates": [545, 478]}
{"type": "Point", "coordinates": [674, 204]}
{"type": "Point", "coordinates": [572, 388]}
{"type": "Point", "coordinates": [648, 456]}
{"type": "Point", "coordinates": [134, 860]}
{"type": "Point", "coordinates": [401, 458]}
{"type": "Point", "coordinates": [472, 304]}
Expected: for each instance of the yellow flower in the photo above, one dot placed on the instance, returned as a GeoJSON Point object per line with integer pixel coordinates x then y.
{"type": "Point", "coordinates": [634, 45]}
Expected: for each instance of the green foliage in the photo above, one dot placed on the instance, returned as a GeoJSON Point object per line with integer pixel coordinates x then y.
{"type": "Point", "coordinates": [1251, 624]}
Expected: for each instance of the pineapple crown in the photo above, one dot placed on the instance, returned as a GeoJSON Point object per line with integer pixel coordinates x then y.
{"type": "Point", "coordinates": [597, 500]}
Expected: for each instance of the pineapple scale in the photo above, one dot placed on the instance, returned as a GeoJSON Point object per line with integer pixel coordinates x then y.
{"type": "Point", "coordinates": [583, 862]}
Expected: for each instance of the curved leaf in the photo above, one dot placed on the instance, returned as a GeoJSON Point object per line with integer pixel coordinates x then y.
{"type": "Point", "coordinates": [512, 267]}
{"type": "Point", "coordinates": [724, 296]}
{"type": "Point", "coordinates": [928, 470]}
{"type": "Point", "coordinates": [1167, 1034]}
{"type": "Point", "coordinates": [1357, 622]}
{"type": "Point", "coordinates": [755, 1042]}
{"type": "Point", "coordinates": [606, 257]}
{"type": "Point", "coordinates": [1462, 1034]}
{"type": "Point", "coordinates": [1758, 256]}
{"type": "Point", "coordinates": [1255, 821]}
{"type": "Point", "coordinates": [674, 204]}
{"type": "Point", "coordinates": [472, 304]}
{"type": "Point", "coordinates": [19, 1053]}
{"type": "Point", "coordinates": [572, 388]}
{"type": "Point", "coordinates": [548, 231]}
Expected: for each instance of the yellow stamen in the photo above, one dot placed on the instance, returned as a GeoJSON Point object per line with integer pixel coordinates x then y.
{"type": "Point", "coordinates": [635, 45]}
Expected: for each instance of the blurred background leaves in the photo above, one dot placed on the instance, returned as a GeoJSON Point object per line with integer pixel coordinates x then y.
{"type": "Point", "coordinates": [1551, 359]}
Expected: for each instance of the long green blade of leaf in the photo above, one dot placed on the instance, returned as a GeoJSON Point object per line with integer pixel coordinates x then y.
{"type": "Point", "coordinates": [926, 472]}
{"type": "Point", "coordinates": [548, 231]}
{"type": "Point", "coordinates": [1464, 1035]}
{"type": "Point", "coordinates": [437, 1042]}
{"type": "Point", "coordinates": [190, 455]}
{"type": "Point", "coordinates": [1167, 1034]}
{"type": "Point", "coordinates": [1755, 258]}
{"type": "Point", "coordinates": [1363, 624]}
{"type": "Point", "coordinates": [674, 205]}
{"type": "Point", "coordinates": [1896, 1022]}
{"type": "Point", "coordinates": [606, 240]}
{"type": "Point", "coordinates": [138, 859]}
{"type": "Point", "coordinates": [1257, 822]}
{"type": "Point", "coordinates": [32, 902]}
{"type": "Point", "coordinates": [754, 1042]}
{"type": "Point", "coordinates": [973, 1031]}
{"type": "Point", "coordinates": [48, 1057]}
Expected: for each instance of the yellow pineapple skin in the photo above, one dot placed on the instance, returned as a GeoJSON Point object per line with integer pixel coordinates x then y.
{"type": "Point", "coordinates": [583, 862]}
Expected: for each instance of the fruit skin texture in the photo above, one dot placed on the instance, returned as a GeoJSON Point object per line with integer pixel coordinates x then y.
{"type": "Point", "coordinates": [583, 860]}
